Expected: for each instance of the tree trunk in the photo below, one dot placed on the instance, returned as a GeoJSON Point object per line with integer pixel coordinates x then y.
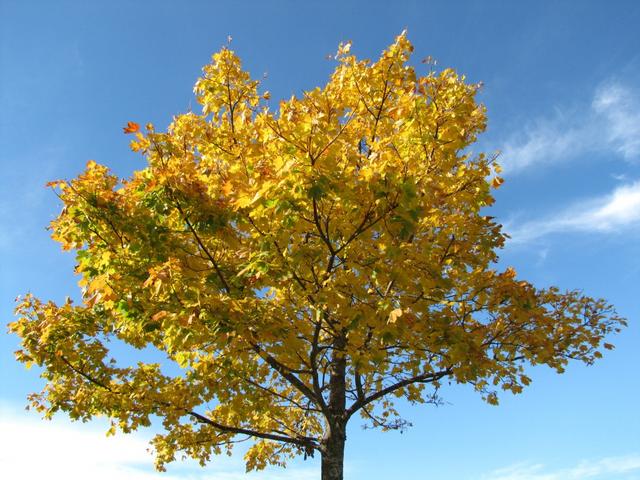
{"type": "Point", "coordinates": [335, 438]}
{"type": "Point", "coordinates": [333, 456]}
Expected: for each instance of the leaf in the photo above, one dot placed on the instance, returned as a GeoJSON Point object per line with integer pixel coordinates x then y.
{"type": "Point", "coordinates": [395, 315]}
{"type": "Point", "coordinates": [510, 272]}
{"type": "Point", "coordinates": [159, 315]}
{"type": "Point", "coordinates": [227, 188]}
{"type": "Point", "coordinates": [497, 181]}
{"type": "Point", "coordinates": [131, 127]}
{"type": "Point", "coordinates": [344, 49]}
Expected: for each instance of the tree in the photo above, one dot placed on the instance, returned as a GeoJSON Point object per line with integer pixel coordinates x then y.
{"type": "Point", "coordinates": [299, 267]}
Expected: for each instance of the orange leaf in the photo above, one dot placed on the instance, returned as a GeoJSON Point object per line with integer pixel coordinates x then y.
{"type": "Point", "coordinates": [227, 188]}
{"type": "Point", "coordinates": [160, 315]}
{"type": "Point", "coordinates": [132, 127]}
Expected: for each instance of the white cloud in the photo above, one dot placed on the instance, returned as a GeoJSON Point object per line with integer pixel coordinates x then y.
{"type": "Point", "coordinates": [30, 448]}
{"type": "Point", "coordinates": [608, 468]}
{"type": "Point", "coordinates": [611, 122]}
{"type": "Point", "coordinates": [620, 106]}
{"type": "Point", "coordinates": [610, 213]}
{"type": "Point", "coordinates": [34, 448]}
{"type": "Point", "coordinates": [546, 141]}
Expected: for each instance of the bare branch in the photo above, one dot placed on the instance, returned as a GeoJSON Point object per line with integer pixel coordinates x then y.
{"type": "Point", "coordinates": [424, 378]}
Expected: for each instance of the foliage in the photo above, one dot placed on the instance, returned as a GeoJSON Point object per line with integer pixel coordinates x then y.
{"type": "Point", "coordinates": [299, 266]}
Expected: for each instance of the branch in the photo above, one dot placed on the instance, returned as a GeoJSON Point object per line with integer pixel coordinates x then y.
{"type": "Point", "coordinates": [276, 394]}
{"type": "Point", "coordinates": [424, 378]}
{"type": "Point", "coordinates": [316, 221]}
{"type": "Point", "coordinates": [288, 375]}
{"type": "Point", "coordinates": [313, 357]}
{"type": "Point", "coordinates": [204, 249]}
{"type": "Point", "coordinates": [332, 141]}
{"type": "Point", "coordinates": [87, 377]}
{"type": "Point", "coordinates": [359, 390]}
{"type": "Point", "coordinates": [307, 442]}
{"type": "Point", "coordinates": [302, 441]}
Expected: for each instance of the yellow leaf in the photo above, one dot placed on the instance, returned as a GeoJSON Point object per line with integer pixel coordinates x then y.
{"type": "Point", "coordinates": [395, 315]}
{"type": "Point", "coordinates": [510, 272]}
{"type": "Point", "coordinates": [243, 201]}
{"type": "Point", "coordinates": [344, 48]}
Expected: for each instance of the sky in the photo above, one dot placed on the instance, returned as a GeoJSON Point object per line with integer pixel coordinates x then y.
{"type": "Point", "coordinates": [562, 91]}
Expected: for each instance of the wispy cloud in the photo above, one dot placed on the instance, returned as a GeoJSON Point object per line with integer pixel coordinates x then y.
{"type": "Point", "coordinates": [620, 106]}
{"type": "Point", "coordinates": [609, 468]}
{"type": "Point", "coordinates": [610, 213]}
{"type": "Point", "coordinates": [610, 121]}
{"type": "Point", "coordinates": [33, 448]}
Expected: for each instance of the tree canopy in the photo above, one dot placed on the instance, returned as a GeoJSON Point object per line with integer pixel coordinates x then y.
{"type": "Point", "coordinates": [300, 266]}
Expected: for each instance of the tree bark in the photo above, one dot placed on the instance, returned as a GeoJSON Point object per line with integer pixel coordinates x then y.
{"type": "Point", "coordinates": [333, 454]}
{"type": "Point", "coordinates": [336, 436]}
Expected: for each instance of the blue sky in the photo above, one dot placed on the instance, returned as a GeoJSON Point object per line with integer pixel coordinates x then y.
{"type": "Point", "coordinates": [562, 89]}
